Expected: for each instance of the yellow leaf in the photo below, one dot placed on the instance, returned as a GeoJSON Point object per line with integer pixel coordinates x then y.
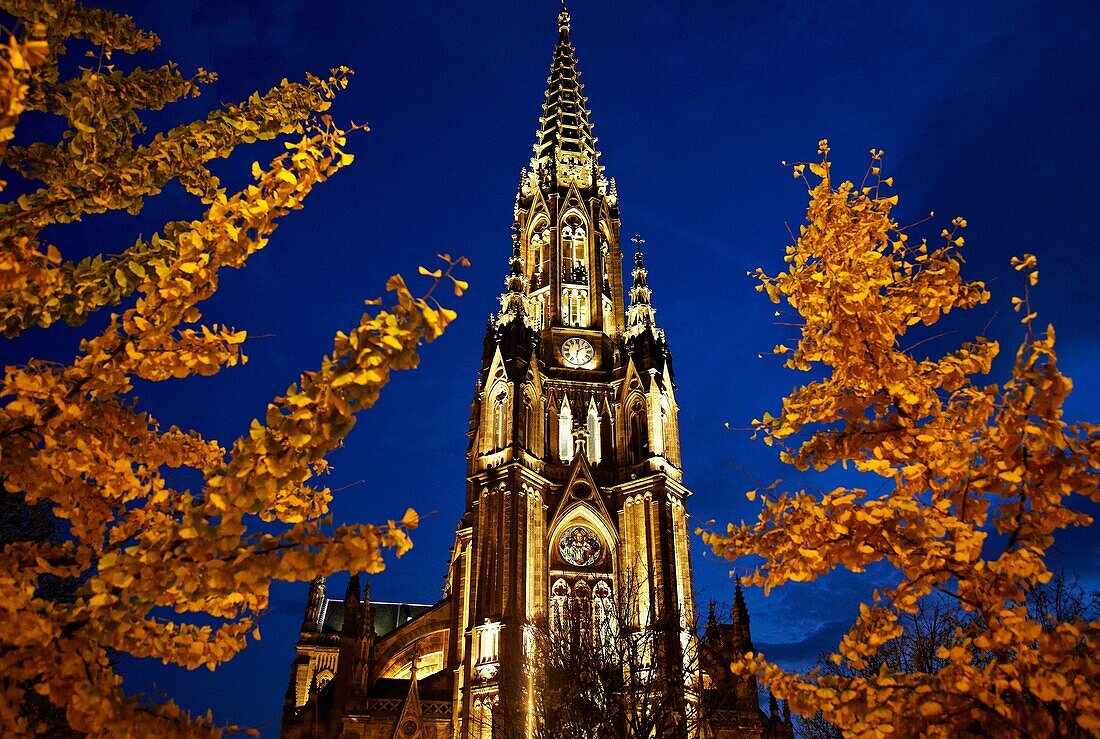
{"type": "Point", "coordinates": [930, 708]}
{"type": "Point", "coordinates": [396, 282]}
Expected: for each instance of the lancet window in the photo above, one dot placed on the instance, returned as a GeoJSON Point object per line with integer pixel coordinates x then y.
{"type": "Point", "coordinates": [603, 612]}
{"type": "Point", "coordinates": [532, 420]}
{"type": "Point", "coordinates": [605, 281]}
{"type": "Point", "coordinates": [538, 308]}
{"type": "Point", "coordinates": [565, 432]}
{"type": "Point", "coordinates": [594, 452]}
{"type": "Point", "coordinates": [538, 254]}
{"type": "Point", "coordinates": [639, 432]}
{"type": "Point", "coordinates": [584, 609]}
{"type": "Point", "coordinates": [574, 306]}
{"type": "Point", "coordinates": [559, 604]}
{"type": "Point", "coordinates": [574, 248]}
{"type": "Point", "coordinates": [500, 421]}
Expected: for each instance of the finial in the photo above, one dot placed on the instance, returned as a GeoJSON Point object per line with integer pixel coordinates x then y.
{"type": "Point", "coordinates": [515, 282]}
{"type": "Point", "coordinates": [563, 18]}
{"type": "Point", "coordinates": [639, 263]}
{"type": "Point", "coordinates": [640, 315]}
{"type": "Point", "coordinates": [712, 619]}
{"type": "Point", "coordinates": [740, 608]}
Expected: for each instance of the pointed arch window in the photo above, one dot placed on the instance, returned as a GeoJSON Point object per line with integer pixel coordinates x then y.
{"type": "Point", "coordinates": [538, 305]}
{"type": "Point", "coordinates": [594, 452]}
{"type": "Point", "coordinates": [603, 613]}
{"type": "Point", "coordinates": [538, 254]}
{"type": "Point", "coordinates": [500, 421]}
{"type": "Point", "coordinates": [532, 419]}
{"type": "Point", "coordinates": [605, 278]}
{"type": "Point", "coordinates": [662, 440]}
{"type": "Point", "coordinates": [582, 609]}
{"type": "Point", "coordinates": [559, 603]}
{"type": "Point", "coordinates": [574, 307]}
{"type": "Point", "coordinates": [565, 432]}
{"type": "Point", "coordinates": [639, 433]}
{"type": "Point", "coordinates": [574, 250]}
{"type": "Point", "coordinates": [580, 246]}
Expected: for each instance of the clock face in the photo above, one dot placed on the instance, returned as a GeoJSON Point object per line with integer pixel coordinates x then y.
{"type": "Point", "coordinates": [577, 351]}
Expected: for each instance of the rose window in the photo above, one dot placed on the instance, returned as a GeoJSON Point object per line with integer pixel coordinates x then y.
{"type": "Point", "coordinates": [579, 546]}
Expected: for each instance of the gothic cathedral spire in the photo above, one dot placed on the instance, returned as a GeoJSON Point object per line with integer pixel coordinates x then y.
{"type": "Point", "coordinates": [574, 492]}
{"type": "Point", "coordinates": [575, 501]}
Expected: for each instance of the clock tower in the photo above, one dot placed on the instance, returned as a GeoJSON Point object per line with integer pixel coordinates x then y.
{"type": "Point", "coordinates": [574, 511]}
{"type": "Point", "coordinates": [574, 489]}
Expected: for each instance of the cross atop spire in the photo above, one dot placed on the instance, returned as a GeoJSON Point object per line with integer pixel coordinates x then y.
{"type": "Point", "coordinates": [640, 316]}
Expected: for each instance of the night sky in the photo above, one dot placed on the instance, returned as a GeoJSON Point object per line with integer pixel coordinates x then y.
{"type": "Point", "coordinates": [985, 110]}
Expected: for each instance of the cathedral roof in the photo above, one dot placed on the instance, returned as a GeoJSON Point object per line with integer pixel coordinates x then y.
{"type": "Point", "coordinates": [565, 123]}
{"type": "Point", "coordinates": [387, 616]}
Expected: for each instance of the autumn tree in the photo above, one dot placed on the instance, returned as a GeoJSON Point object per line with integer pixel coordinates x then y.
{"type": "Point", "coordinates": [933, 626]}
{"type": "Point", "coordinates": [91, 501]}
{"type": "Point", "coordinates": [978, 479]}
{"type": "Point", "coordinates": [936, 626]}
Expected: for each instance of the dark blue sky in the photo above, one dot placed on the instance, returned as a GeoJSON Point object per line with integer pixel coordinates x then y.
{"type": "Point", "coordinates": [985, 110]}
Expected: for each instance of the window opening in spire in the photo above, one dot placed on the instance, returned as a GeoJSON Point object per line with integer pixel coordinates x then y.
{"type": "Point", "coordinates": [639, 433]}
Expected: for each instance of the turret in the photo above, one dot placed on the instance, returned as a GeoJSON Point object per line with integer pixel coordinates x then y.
{"type": "Point", "coordinates": [356, 641]}
{"type": "Point", "coordinates": [742, 638]}
{"type": "Point", "coordinates": [779, 725]}
{"type": "Point", "coordinates": [645, 342]}
{"type": "Point", "coordinates": [641, 316]}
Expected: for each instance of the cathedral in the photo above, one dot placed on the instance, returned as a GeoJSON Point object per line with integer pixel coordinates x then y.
{"type": "Point", "coordinates": [575, 539]}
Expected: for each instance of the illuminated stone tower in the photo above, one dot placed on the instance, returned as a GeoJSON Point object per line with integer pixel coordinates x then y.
{"type": "Point", "coordinates": [574, 490]}
{"type": "Point", "coordinates": [574, 497]}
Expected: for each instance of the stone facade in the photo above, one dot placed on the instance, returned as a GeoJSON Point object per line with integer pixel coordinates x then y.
{"type": "Point", "coordinates": [575, 500]}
